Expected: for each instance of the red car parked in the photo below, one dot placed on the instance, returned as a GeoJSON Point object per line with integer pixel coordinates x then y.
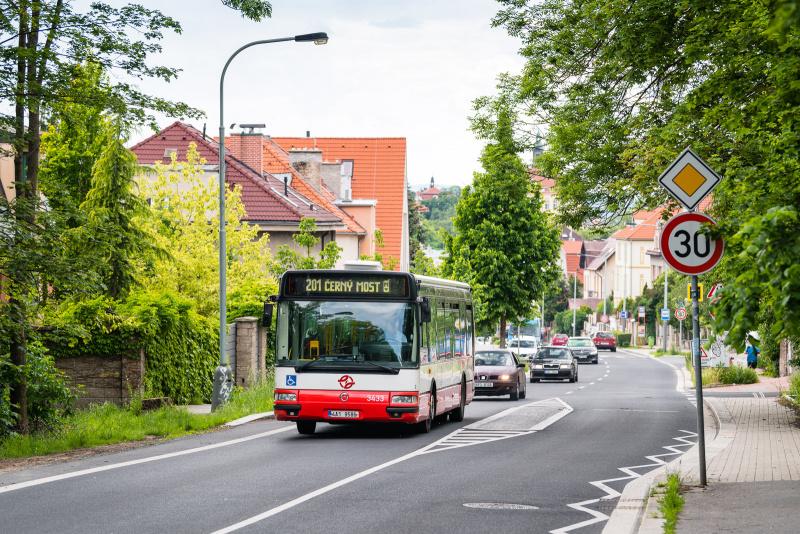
{"type": "Point", "coordinates": [605, 340]}
{"type": "Point", "coordinates": [559, 340]}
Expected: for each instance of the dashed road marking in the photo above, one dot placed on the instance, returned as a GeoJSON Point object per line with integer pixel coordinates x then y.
{"type": "Point", "coordinates": [462, 437]}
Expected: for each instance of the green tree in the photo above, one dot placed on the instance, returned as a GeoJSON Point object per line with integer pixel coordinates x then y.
{"type": "Point", "coordinates": [114, 231]}
{"type": "Point", "coordinates": [625, 86]}
{"type": "Point", "coordinates": [43, 41]}
{"type": "Point", "coordinates": [185, 222]}
{"type": "Point", "coordinates": [415, 230]}
{"type": "Point", "coordinates": [504, 246]}
{"type": "Point", "coordinates": [290, 258]}
{"type": "Point", "coordinates": [424, 265]}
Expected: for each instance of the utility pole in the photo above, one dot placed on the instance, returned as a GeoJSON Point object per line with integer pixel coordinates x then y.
{"type": "Point", "coordinates": [666, 307]}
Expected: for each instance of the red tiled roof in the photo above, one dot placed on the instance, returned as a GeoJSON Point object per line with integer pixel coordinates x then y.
{"type": "Point", "coordinates": [262, 196]}
{"type": "Point", "coordinates": [379, 172]}
{"type": "Point", "coordinates": [276, 160]}
{"type": "Point", "coordinates": [544, 183]}
{"type": "Point", "coordinates": [644, 231]}
{"type": "Point", "coordinates": [572, 247]}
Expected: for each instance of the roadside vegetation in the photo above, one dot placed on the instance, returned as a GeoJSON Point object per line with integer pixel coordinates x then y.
{"type": "Point", "coordinates": [670, 352]}
{"type": "Point", "coordinates": [106, 424]}
{"type": "Point", "coordinates": [723, 376]}
{"type": "Point", "coordinates": [794, 388]}
{"type": "Point", "coordinates": [671, 503]}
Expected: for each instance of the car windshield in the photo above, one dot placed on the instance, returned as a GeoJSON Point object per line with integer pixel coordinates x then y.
{"type": "Point", "coordinates": [340, 333]}
{"type": "Point", "coordinates": [552, 354]}
{"type": "Point", "coordinates": [523, 344]}
{"type": "Point", "coordinates": [497, 357]}
{"type": "Point", "coordinates": [604, 335]}
{"type": "Point", "coordinates": [580, 342]}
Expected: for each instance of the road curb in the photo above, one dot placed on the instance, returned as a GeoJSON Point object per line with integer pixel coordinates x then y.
{"type": "Point", "coordinates": [629, 516]}
{"type": "Point", "coordinates": [250, 418]}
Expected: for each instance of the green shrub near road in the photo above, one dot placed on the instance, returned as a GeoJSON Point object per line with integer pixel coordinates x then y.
{"type": "Point", "coordinates": [794, 386]}
{"type": "Point", "coordinates": [714, 376]}
{"type": "Point", "coordinates": [623, 340]}
{"type": "Point", "coordinates": [670, 352]}
{"type": "Point", "coordinates": [107, 424]}
{"type": "Point", "coordinates": [671, 503]}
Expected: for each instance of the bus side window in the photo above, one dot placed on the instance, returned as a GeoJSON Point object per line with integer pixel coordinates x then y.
{"type": "Point", "coordinates": [469, 330]}
{"type": "Point", "coordinates": [433, 336]}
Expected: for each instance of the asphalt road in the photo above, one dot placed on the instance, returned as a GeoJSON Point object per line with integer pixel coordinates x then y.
{"type": "Point", "coordinates": [264, 477]}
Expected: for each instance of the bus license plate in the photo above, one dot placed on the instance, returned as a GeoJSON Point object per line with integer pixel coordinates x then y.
{"type": "Point", "coordinates": [343, 414]}
{"type": "Point", "coordinates": [551, 372]}
{"type": "Point", "coordinates": [484, 384]}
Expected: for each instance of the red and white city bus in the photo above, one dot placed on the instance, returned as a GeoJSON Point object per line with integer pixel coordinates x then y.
{"type": "Point", "coordinates": [357, 346]}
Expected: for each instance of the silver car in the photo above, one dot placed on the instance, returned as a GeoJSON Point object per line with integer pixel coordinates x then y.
{"type": "Point", "coordinates": [583, 348]}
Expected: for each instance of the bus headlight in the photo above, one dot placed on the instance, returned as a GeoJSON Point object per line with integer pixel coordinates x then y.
{"type": "Point", "coordinates": [404, 399]}
{"type": "Point", "coordinates": [285, 396]}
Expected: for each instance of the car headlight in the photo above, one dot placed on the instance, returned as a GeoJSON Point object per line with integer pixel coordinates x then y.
{"type": "Point", "coordinates": [538, 366]}
{"type": "Point", "coordinates": [504, 377]}
{"type": "Point", "coordinates": [285, 396]}
{"type": "Point", "coordinates": [404, 399]}
{"type": "Point", "coordinates": [565, 365]}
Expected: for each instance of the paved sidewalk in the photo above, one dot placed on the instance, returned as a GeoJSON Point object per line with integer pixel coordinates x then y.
{"type": "Point", "coordinates": [753, 483]}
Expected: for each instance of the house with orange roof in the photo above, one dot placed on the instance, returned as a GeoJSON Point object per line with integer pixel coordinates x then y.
{"type": "Point", "coordinates": [547, 187]}
{"type": "Point", "coordinates": [634, 268]}
{"type": "Point", "coordinates": [371, 183]}
{"type": "Point", "coordinates": [274, 205]}
{"type": "Point", "coordinates": [319, 181]}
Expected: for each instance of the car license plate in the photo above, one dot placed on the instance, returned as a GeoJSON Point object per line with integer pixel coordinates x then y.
{"type": "Point", "coordinates": [343, 414]}
{"type": "Point", "coordinates": [551, 371]}
{"type": "Point", "coordinates": [484, 384]}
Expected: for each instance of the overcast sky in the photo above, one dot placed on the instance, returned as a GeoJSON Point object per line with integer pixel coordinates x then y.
{"type": "Point", "coordinates": [405, 68]}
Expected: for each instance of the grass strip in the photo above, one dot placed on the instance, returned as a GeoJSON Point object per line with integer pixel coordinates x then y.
{"type": "Point", "coordinates": [671, 503]}
{"type": "Point", "coordinates": [106, 424]}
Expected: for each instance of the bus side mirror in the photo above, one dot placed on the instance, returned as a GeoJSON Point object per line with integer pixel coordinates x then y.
{"type": "Point", "coordinates": [425, 310]}
{"type": "Point", "coordinates": [266, 315]}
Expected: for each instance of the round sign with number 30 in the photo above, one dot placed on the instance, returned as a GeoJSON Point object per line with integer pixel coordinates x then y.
{"type": "Point", "coordinates": [686, 247]}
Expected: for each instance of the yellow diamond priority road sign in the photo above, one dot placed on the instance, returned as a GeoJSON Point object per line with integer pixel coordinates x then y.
{"type": "Point", "coordinates": [689, 179]}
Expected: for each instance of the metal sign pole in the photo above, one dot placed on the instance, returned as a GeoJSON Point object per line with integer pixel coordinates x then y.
{"type": "Point", "coordinates": [698, 378]}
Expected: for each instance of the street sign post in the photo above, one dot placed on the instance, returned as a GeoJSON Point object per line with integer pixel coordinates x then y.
{"type": "Point", "coordinates": [680, 313]}
{"type": "Point", "coordinates": [665, 314]}
{"type": "Point", "coordinates": [689, 292]}
{"type": "Point", "coordinates": [623, 314]}
{"type": "Point", "coordinates": [688, 249]}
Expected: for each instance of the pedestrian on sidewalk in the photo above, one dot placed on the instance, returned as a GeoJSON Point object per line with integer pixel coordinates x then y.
{"type": "Point", "coordinates": [752, 353]}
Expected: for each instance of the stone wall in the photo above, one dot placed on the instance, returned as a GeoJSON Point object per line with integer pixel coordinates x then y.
{"type": "Point", "coordinates": [98, 380]}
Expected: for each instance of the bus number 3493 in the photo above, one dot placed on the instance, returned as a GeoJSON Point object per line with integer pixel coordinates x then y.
{"type": "Point", "coordinates": [376, 398]}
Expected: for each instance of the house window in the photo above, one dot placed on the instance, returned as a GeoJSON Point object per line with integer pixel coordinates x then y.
{"type": "Point", "coordinates": [168, 152]}
{"type": "Point", "coordinates": [641, 256]}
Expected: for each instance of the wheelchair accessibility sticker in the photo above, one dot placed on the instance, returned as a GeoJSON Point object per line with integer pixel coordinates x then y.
{"type": "Point", "coordinates": [291, 380]}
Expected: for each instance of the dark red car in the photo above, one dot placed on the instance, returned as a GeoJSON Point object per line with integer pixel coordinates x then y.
{"type": "Point", "coordinates": [559, 340]}
{"type": "Point", "coordinates": [605, 340]}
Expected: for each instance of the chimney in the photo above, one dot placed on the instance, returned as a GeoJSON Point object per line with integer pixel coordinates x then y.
{"type": "Point", "coordinates": [308, 162]}
{"type": "Point", "coordinates": [247, 147]}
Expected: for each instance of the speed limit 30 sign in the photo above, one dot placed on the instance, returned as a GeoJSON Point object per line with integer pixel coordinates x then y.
{"type": "Point", "coordinates": [686, 247]}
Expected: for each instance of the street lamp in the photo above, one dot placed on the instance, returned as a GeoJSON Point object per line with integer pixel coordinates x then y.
{"type": "Point", "coordinates": [223, 380]}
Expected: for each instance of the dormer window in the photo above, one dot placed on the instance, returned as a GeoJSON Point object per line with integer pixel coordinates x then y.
{"type": "Point", "coordinates": [168, 152]}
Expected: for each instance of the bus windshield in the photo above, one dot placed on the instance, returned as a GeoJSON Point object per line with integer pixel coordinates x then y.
{"type": "Point", "coordinates": [342, 333]}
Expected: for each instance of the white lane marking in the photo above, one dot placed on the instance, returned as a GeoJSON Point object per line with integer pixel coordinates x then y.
{"type": "Point", "coordinates": [90, 471]}
{"type": "Point", "coordinates": [600, 379]}
{"type": "Point", "coordinates": [611, 493]}
{"type": "Point", "coordinates": [581, 387]}
{"type": "Point", "coordinates": [568, 393]}
{"type": "Point", "coordinates": [591, 383]}
{"type": "Point", "coordinates": [424, 450]}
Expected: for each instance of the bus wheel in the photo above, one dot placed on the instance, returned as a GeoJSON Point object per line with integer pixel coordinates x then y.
{"type": "Point", "coordinates": [457, 415]}
{"type": "Point", "coordinates": [425, 426]}
{"type": "Point", "coordinates": [306, 427]}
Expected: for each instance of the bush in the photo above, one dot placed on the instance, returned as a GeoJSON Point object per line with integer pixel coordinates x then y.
{"type": "Point", "coordinates": [180, 346]}
{"type": "Point", "coordinates": [49, 397]}
{"type": "Point", "coordinates": [794, 386]}
{"type": "Point", "coordinates": [737, 375]}
{"type": "Point", "coordinates": [623, 340]}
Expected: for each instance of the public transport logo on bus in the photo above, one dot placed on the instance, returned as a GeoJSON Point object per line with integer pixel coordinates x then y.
{"type": "Point", "coordinates": [347, 382]}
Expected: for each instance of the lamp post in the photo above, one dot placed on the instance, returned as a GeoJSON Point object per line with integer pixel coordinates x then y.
{"type": "Point", "coordinates": [223, 380]}
{"type": "Point", "coordinates": [574, 301]}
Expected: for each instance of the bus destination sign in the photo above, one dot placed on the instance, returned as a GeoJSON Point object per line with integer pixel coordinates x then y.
{"type": "Point", "coordinates": [345, 285]}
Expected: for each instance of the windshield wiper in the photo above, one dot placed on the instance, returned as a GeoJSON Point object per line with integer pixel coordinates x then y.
{"type": "Point", "coordinates": [321, 360]}
{"type": "Point", "coordinates": [393, 370]}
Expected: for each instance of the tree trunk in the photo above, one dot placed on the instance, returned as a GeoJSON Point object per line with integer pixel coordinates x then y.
{"type": "Point", "coordinates": [503, 331]}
